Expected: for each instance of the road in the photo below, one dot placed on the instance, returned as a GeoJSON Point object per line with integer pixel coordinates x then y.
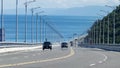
{"type": "Point", "coordinates": [75, 57]}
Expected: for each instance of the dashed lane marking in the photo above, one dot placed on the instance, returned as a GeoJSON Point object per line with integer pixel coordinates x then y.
{"type": "Point", "coordinates": [92, 64]}
{"type": "Point", "coordinates": [100, 62]}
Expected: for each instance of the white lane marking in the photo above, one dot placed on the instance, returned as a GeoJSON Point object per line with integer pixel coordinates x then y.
{"type": "Point", "coordinates": [100, 62]}
{"type": "Point", "coordinates": [105, 57]}
{"type": "Point", "coordinates": [92, 64]}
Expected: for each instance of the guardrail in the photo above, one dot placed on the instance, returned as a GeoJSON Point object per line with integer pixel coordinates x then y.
{"type": "Point", "coordinates": [110, 47]}
{"type": "Point", "coordinates": [14, 44]}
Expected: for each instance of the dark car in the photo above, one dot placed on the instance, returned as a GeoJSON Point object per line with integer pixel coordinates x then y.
{"type": "Point", "coordinates": [71, 43]}
{"type": "Point", "coordinates": [64, 45]}
{"type": "Point", "coordinates": [47, 45]}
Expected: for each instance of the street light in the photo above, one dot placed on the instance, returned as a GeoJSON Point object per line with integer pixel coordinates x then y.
{"type": "Point", "coordinates": [113, 23]}
{"type": "Point", "coordinates": [74, 38]}
{"type": "Point", "coordinates": [40, 26]}
{"type": "Point", "coordinates": [26, 6]}
{"type": "Point", "coordinates": [1, 14]}
{"type": "Point", "coordinates": [16, 20]}
{"type": "Point", "coordinates": [32, 10]}
{"type": "Point", "coordinates": [108, 25]}
{"type": "Point", "coordinates": [44, 25]}
{"type": "Point", "coordinates": [97, 34]}
{"type": "Point", "coordinates": [101, 29]}
{"type": "Point", "coordinates": [2, 21]}
{"type": "Point", "coordinates": [103, 26]}
{"type": "Point", "coordinates": [94, 34]}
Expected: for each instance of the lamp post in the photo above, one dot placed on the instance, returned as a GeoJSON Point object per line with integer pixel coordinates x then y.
{"type": "Point", "coordinates": [101, 29]}
{"type": "Point", "coordinates": [36, 27]}
{"type": "Point", "coordinates": [40, 26]}
{"type": "Point", "coordinates": [100, 34]}
{"type": "Point", "coordinates": [114, 37]}
{"type": "Point", "coordinates": [1, 14]}
{"type": "Point", "coordinates": [2, 21]}
{"type": "Point", "coordinates": [43, 17]}
{"type": "Point", "coordinates": [97, 34]}
{"type": "Point", "coordinates": [32, 21]}
{"type": "Point", "coordinates": [26, 6]}
{"type": "Point", "coordinates": [108, 26]}
{"type": "Point", "coordinates": [74, 38]}
{"type": "Point", "coordinates": [16, 20]}
{"type": "Point", "coordinates": [94, 34]}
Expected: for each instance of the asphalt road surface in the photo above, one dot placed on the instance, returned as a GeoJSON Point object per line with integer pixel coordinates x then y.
{"type": "Point", "coordinates": [75, 57]}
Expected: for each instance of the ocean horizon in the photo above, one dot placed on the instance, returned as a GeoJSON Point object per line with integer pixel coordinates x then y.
{"type": "Point", "coordinates": [65, 25]}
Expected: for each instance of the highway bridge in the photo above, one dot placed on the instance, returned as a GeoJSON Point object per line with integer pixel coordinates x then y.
{"type": "Point", "coordinates": [73, 57]}
{"type": "Point", "coordinates": [96, 39]}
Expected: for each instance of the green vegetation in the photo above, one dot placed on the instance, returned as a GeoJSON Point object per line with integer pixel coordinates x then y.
{"type": "Point", "coordinates": [94, 32]}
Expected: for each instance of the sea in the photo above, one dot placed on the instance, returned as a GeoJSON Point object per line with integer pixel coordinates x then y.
{"type": "Point", "coordinates": [54, 28]}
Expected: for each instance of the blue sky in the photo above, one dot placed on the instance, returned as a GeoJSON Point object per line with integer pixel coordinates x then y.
{"type": "Point", "coordinates": [63, 5]}
{"type": "Point", "coordinates": [10, 4]}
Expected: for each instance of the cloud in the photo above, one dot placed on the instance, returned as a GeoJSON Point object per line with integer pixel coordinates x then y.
{"type": "Point", "coordinates": [76, 3]}
{"type": "Point", "coordinates": [61, 3]}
